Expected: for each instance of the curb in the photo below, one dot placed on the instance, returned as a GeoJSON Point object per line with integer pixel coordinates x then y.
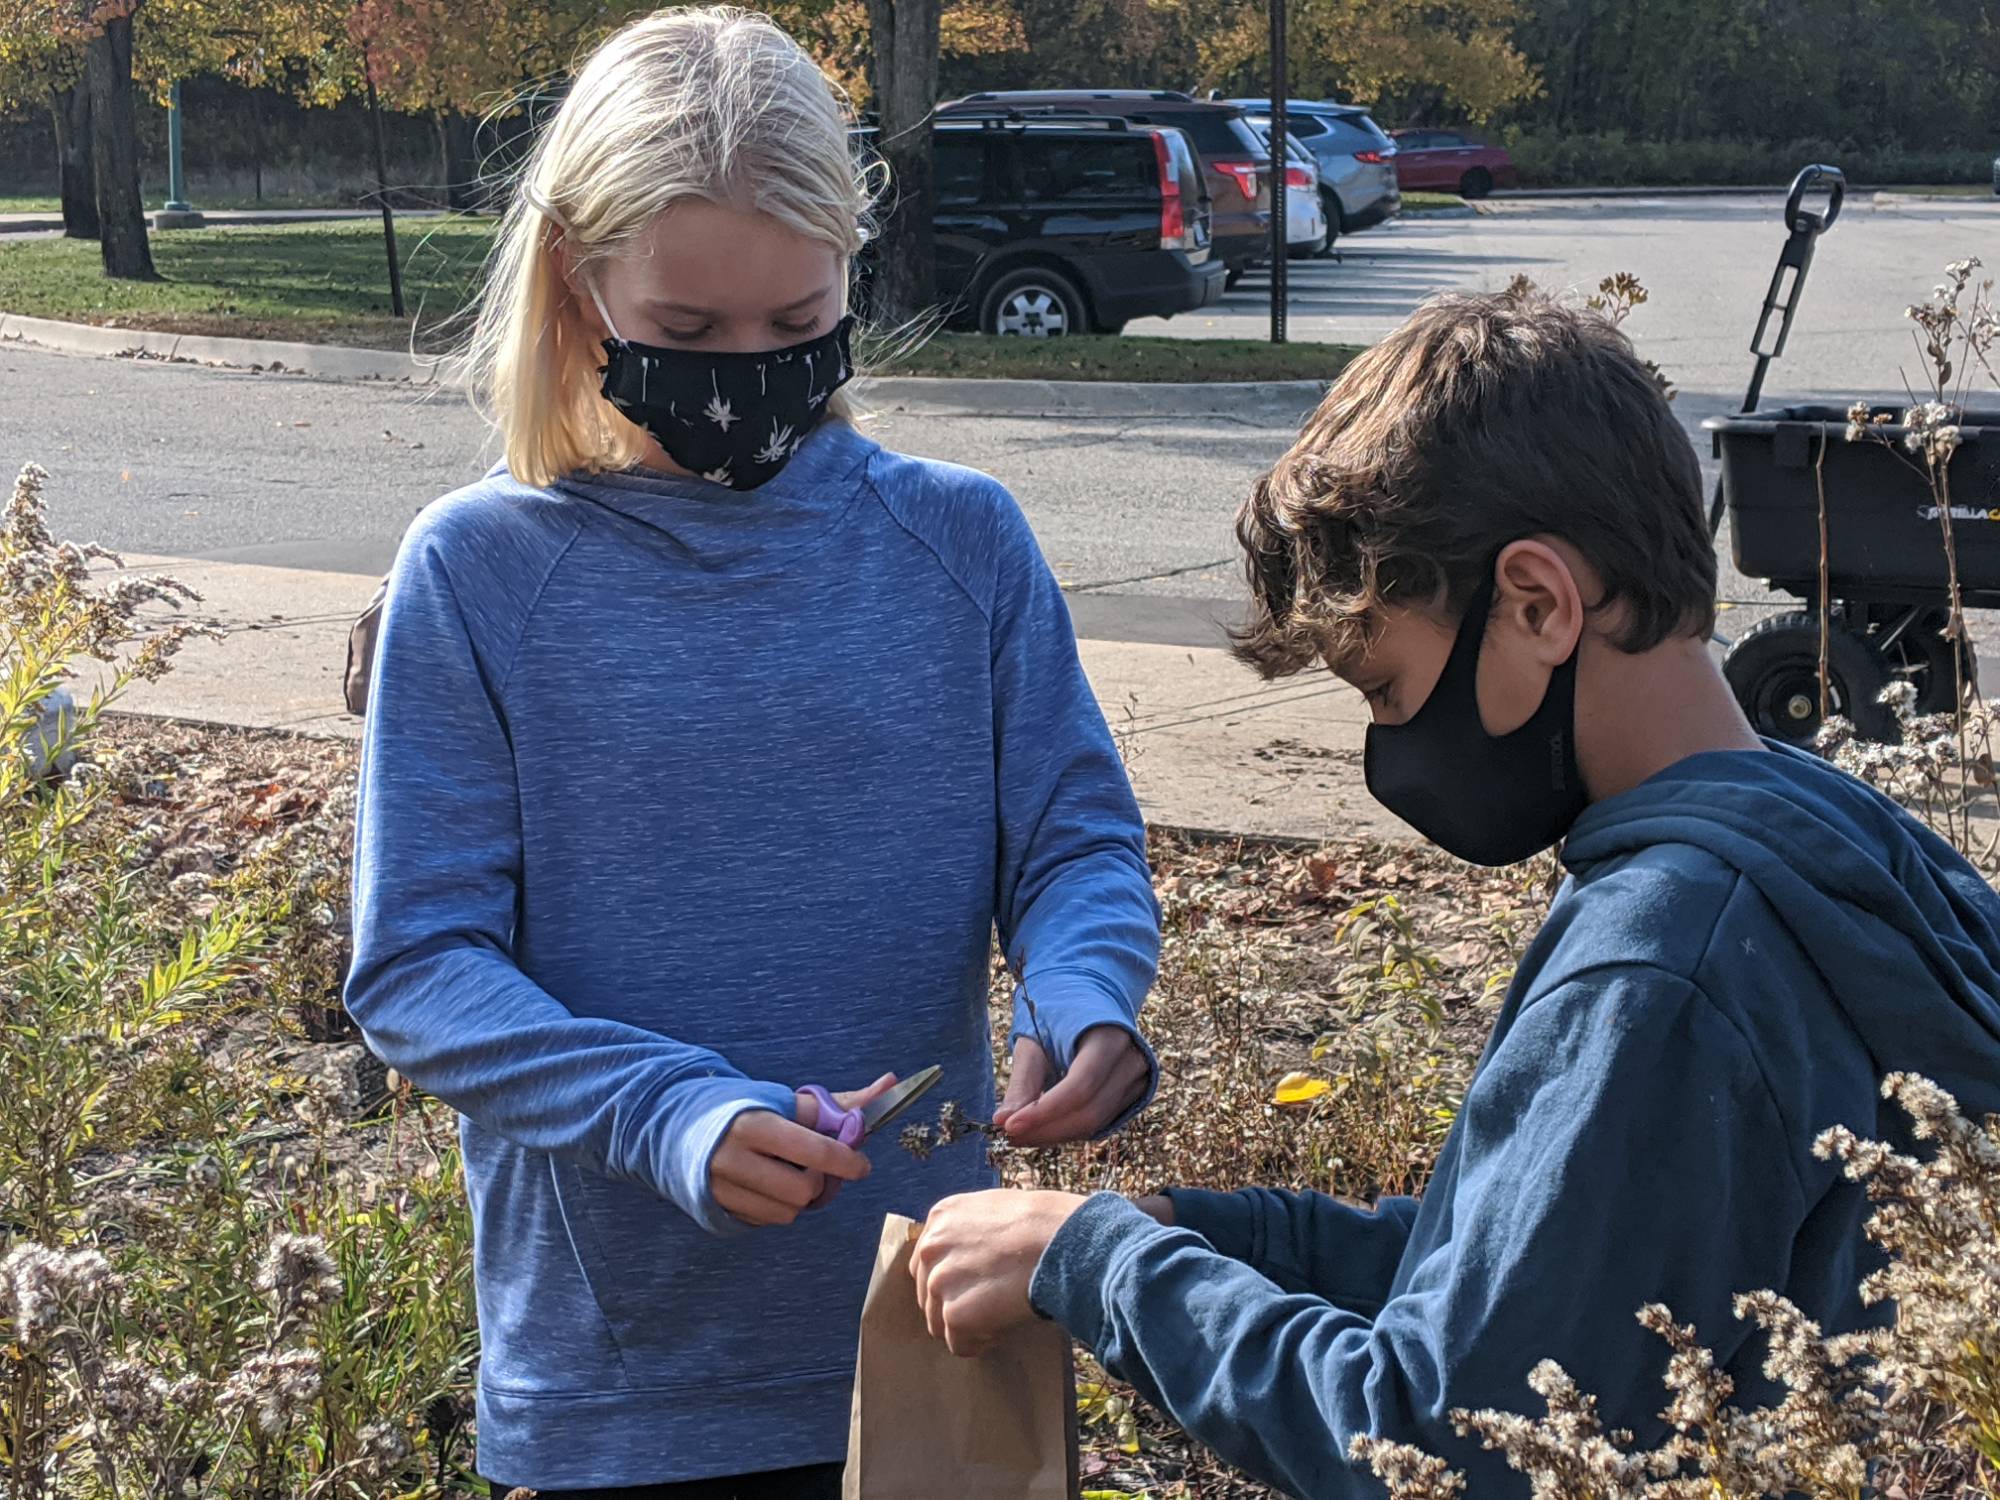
{"type": "Point", "coordinates": [1463, 211]}
{"type": "Point", "coordinates": [1891, 200]}
{"type": "Point", "coordinates": [326, 361]}
{"type": "Point", "coordinates": [1520, 195]}
{"type": "Point", "coordinates": [1273, 403]}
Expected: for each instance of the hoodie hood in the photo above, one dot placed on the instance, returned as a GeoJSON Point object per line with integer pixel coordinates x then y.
{"type": "Point", "coordinates": [1859, 882]}
{"type": "Point", "coordinates": [720, 529]}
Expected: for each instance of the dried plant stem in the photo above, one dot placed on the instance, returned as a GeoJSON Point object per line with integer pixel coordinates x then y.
{"type": "Point", "coordinates": [1825, 601]}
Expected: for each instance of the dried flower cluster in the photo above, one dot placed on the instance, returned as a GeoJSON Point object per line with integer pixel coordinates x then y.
{"type": "Point", "coordinates": [274, 1387]}
{"type": "Point", "coordinates": [953, 1124]}
{"type": "Point", "coordinates": [35, 569]}
{"type": "Point", "coordinates": [41, 1285]}
{"type": "Point", "coordinates": [1860, 1412]}
{"type": "Point", "coordinates": [297, 1275]}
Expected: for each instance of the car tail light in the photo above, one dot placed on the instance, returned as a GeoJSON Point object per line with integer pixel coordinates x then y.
{"type": "Point", "coordinates": [1373, 158]}
{"type": "Point", "coordinates": [1245, 173]}
{"type": "Point", "coordinates": [1173, 214]}
{"type": "Point", "coordinates": [1298, 177]}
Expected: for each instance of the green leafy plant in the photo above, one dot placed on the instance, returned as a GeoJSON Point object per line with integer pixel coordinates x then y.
{"type": "Point", "coordinates": [210, 1281]}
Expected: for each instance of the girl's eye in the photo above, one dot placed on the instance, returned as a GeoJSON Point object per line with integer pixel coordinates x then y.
{"type": "Point", "coordinates": [806, 327]}
{"type": "Point", "coordinates": [684, 335]}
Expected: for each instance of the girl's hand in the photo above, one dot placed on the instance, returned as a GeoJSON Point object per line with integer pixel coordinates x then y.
{"type": "Point", "coordinates": [768, 1170]}
{"type": "Point", "coordinates": [1107, 1077]}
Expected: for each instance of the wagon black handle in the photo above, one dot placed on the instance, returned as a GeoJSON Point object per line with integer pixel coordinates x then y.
{"type": "Point", "coordinates": [1798, 218]}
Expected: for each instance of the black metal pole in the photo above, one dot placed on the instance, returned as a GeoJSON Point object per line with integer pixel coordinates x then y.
{"type": "Point", "coordinates": [382, 197]}
{"type": "Point", "coordinates": [1280, 164]}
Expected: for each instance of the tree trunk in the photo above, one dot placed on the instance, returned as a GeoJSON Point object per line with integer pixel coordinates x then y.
{"type": "Point", "coordinates": [71, 107]}
{"type": "Point", "coordinates": [905, 41]}
{"type": "Point", "coordinates": [258, 109]}
{"type": "Point", "coordinates": [442, 173]}
{"type": "Point", "coordinates": [382, 197]}
{"type": "Point", "coordinates": [115, 142]}
{"type": "Point", "coordinates": [461, 155]}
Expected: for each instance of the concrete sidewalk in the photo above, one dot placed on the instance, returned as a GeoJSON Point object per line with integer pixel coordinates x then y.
{"type": "Point", "coordinates": [1208, 745]}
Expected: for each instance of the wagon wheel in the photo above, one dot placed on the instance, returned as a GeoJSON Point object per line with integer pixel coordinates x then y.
{"type": "Point", "coordinates": [1774, 671]}
{"type": "Point", "coordinates": [1921, 655]}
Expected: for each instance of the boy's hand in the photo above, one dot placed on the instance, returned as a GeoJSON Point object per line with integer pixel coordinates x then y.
{"type": "Point", "coordinates": [768, 1170]}
{"type": "Point", "coordinates": [1106, 1078]}
{"type": "Point", "coordinates": [976, 1258]}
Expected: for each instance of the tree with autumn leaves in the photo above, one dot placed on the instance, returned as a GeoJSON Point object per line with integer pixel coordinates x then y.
{"type": "Point", "coordinates": [456, 60]}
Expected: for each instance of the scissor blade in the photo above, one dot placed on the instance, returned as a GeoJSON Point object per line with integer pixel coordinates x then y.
{"type": "Point", "coordinates": [881, 1110]}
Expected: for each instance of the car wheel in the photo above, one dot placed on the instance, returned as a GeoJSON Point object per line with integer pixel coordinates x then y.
{"type": "Point", "coordinates": [1475, 184]}
{"type": "Point", "coordinates": [1234, 275]}
{"type": "Point", "coordinates": [1336, 222]}
{"type": "Point", "coordinates": [1033, 302]}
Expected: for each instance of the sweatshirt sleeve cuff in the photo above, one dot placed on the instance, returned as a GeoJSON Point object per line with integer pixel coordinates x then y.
{"type": "Point", "coordinates": [1071, 1279]}
{"type": "Point", "coordinates": [1068, 1003]}
{"type": "Point", "coordinates": [702, 1118]}
{"type": "Point", "coordinates": [1228, 1221]}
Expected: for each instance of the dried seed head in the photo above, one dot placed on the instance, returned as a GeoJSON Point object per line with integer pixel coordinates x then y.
{"type": "Point", "coordinates": [38, 1283]}
{"type": "Point", "coordinates": [131, 1397]}
{"type": "Point", "coordinates": [384, 1450]}
{"type": "Point", "coordinates": [274, 1387]}
{"type": "Point", "coordinates": [297, 1274]}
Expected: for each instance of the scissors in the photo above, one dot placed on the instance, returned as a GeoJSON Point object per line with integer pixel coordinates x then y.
{"type": "Point", "coordinates": [853, 1126]}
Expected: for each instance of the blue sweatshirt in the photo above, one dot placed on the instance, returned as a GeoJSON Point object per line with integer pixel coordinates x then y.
{"type": "Point", "coordinates": [674, 799]}
{"type": "Point", "coordinates": [1747, 944]}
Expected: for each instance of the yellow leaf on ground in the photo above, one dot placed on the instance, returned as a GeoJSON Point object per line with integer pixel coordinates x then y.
{"type": "Point", "coordinates": [1300, 1088]}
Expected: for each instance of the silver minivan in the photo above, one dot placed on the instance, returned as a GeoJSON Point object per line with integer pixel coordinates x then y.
{"type": "Point", "coordinates": [1357, 160]}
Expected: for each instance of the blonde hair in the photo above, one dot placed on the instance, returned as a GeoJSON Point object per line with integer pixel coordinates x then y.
{"type": "Point", "coordinates": [710, 102]}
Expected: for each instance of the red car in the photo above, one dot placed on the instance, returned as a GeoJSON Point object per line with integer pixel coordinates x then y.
{"type": "Point", "coordinates": [1450, 161]}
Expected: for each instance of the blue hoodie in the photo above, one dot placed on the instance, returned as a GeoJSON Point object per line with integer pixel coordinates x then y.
{"type": "Point", "coordinates": [1748, 942]}
{"type": "Point", "coordinates": [676, 798]}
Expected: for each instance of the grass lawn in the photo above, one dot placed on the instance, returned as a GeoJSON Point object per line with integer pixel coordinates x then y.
{"type": "Point", "coordinates": [328, 284]}
{"type": "Point", "coordinates": [310, 283]}
{"type": "Point", "coordinates": [1416, 203]}
{"type": "Point", "coordinates": [1115, 356]}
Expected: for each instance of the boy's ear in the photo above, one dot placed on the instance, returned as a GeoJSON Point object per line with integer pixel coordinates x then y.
{"type": "Point", "coordinates": [1538, 600]}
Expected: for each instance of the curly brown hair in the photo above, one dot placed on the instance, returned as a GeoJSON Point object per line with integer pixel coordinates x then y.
{"type": "Point", "coordinates": [1482, 420]}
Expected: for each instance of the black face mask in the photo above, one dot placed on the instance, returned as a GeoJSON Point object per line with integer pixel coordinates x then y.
{"type": "Point", "coordinates": [734, 419]}
{"type": "Point", "coordinates": [1489, 799]}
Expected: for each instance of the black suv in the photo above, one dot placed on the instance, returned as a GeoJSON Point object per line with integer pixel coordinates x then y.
{"type": "Point", "coordinates": [1235, 161]}
{"type": "Point", "coordinates": [1051, 224]}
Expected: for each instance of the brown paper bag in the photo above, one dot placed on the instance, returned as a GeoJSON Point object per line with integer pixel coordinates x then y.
{"type": "Point", "coordinates": [928, 1424]}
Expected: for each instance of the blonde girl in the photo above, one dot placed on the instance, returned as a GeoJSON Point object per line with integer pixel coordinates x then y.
{"type": "Point", "coordinates": [708, 743]}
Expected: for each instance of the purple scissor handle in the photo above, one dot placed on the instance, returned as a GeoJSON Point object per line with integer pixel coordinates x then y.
{"type": "Point", "coordinates": [852, 1126]}
{"type": "Point", "coordinates": [844, 1125]}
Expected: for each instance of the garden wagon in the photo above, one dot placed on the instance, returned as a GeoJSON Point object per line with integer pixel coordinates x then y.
{"type": "Point", "coordinates": [1885, 577]}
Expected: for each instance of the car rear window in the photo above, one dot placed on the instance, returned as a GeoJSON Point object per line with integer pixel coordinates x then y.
{"type": "Point", "coordinates": [1305, 126]}
{"type": "Point", "coordinates": [1347, 132]}
{"type": "Point", "coordinates": [1109, 166]}
{"type": "Point", "coordinates": [960, 168]}
{"type": "Point", "coordinates": [1216, 135]}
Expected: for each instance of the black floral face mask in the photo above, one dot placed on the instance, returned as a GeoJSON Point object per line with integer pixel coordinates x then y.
{"type": "Point", "coordinates": [734, 419]}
